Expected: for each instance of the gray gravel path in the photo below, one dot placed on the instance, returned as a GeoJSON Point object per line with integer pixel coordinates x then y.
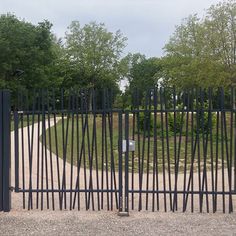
{"type": "Point", "coordinates": [108, 223]}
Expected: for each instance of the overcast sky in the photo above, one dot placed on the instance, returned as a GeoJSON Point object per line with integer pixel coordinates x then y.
{"type": "Point", "coordinates": [147, 24]}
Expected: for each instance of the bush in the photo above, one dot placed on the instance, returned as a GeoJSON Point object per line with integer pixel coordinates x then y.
{"type": "Point", "coordinates": [202, 118]}
{"type": "Point", "coordinates": [175, 121]}
{"type": "Point", "coordinates": [146, 120]}
{"type": "Point", "coordinates": [204, 125]}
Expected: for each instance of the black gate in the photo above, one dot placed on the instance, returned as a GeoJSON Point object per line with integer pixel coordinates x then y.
{"type": "Point", "coordinates": [185, 155]}
{"type": "Point", "coordinates": [169, 150]}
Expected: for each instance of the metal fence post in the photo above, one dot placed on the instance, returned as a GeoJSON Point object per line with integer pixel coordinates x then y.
{"type": "Point", "coordinates": [127, 162]}
{"type": "Point", "coordinates": [123, 185]}
{"type": "Point", "coordinates": [5, 151]}
{"type": "Point", "coordinates": [1, 151]}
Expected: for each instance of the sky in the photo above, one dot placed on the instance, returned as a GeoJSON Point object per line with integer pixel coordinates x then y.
{"type": "Point", "coordinates": [148, 24]}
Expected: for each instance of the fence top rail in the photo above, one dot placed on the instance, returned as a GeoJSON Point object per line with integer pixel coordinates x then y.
{"type": "Point", "coordinates": [131, 111]}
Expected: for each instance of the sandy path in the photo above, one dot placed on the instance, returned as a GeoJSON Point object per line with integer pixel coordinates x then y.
{"type": "Point", "coordinates": [46, 172]}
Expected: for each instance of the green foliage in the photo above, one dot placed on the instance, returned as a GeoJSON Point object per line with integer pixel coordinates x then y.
{"type": "Point", "coordinates": [146, 122]}
{"type": "Point", "coordinates": [92, 56]}
{"type": "Point", "coordinates": [141, 74]}
{"type": "Point", "coordinates": [176, 121]}
{"type": "Point", "coordinates": [204, 120]}
{"type": "Point", "coordinates": [202, 52]}
{"type": "Point", "coordinates": [29, 48]}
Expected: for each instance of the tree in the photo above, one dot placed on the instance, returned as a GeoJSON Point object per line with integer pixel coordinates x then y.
{"type": "Point", "coordinates": [141, 74]}
{"type": "Point", "coordinates": [29, 48]}
{"type": "Point", "coordinates": [92, 56]}
{"type": "Point", "coordinates": [202, 52]}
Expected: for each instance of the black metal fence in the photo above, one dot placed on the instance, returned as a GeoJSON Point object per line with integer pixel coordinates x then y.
{"type": "Point", "coordinates": [169, 150]}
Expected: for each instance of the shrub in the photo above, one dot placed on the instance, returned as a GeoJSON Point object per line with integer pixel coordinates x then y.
{"type": "Point", "coordinates": [175, 121]}
{"type": "Point", "coordinates": [201, 117]}
{"type": "Point", "coordinates": [146, 120]}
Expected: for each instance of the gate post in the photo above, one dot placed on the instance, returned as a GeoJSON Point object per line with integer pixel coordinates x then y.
{"type": "Point", "coordinates": [120, 163]}
{"type": "Point", "coordinates": [123, 183]}
{"type": "Point", "coordinates": [5, 151]}
{"type": "Point", "coordinates": [127, 162]}
{"type": "Point", "coordinates": [1, 159]}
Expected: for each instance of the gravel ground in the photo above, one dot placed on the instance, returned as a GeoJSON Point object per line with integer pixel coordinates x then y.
{"type": "Point", "coordinates": [108, 223]}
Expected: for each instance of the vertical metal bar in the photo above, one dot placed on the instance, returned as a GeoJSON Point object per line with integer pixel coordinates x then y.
{"type": "Point", "coordinates": [229, 155]}
{"type": "Point", "coordinates": [56, 147]}
{"type": "Point", "coordinates": [103, 143]}
{"type": "Point", "coordinates": [45, 147]}
{"type": "Point", "coordinates": [222, 147]}
{"type": "Point", "coordinates": [72, 149]}
{"type": "Point", "coordinates": [168, 147]}
{"type": "Point", "coordinates": [84, 124]}
{"type": "Point", "coordinates": [16, 143]}
{"type": "Point", "coordinates": [31, 146]}
{"type": "Point", "coordinates": [186, 154]}
{"type": "Point", "coordinates": [143, 153]}
{"type": "Point", "coordinates": [23, 157]}
{"type": "Point", "coordinates": [192, 152]}
{"type": "Point", "coordinates": [193, 147]}
{"type": "Point", "coordinates": [157, 161]}
{"type": "Point", "coordinates": [91, 153]}
{"type": "Point", "coordinates": [50, 148]}
{"type": "Point", "coordinates": [211, 151]}
{"type": "Point", "coordinates": [217, 153]}
{"type": "Point", "coordinates": [78, 148]}
{"type": "Point", "coordinates": [38, 150]}
{"type": "Point", "coordinates": [42, 151]}
{"type": "Point", "coordinates": [175, 205]}
{"type": "Point", "coordinates": [81, 154]}
{"type": "Point", "coordinates": [202, 132]}
{"type": "Point", "coordinates": [113, 170]}
{"type": "Point", "coordinates": [198, 148]}
{"type": "Point", "coordinates": [163, 149]}
{"type": "Point", "coordinates": [205, 145]}
{"type": "Point", "coordinates": [132, 164]}
{"type": "Point", "coordinates": [148, 145]}
{"type": "Point", "coordinates": [234, 128]}
{"type": "Point", "coordinates": [6, 148]}
{"type": "Point", "coordinates": [139, 149]}
{"type": "Point", "coordinates": [127, 162]}
{"type": "Point", "coordinates": [96, 150]}
{"type": "Point", "coordinates": [106, 160]}
{"type": "Point", "coordinates": [1, 151]}
{"type": "Point", "coordinates": [154, 170]}
{"type": "Point", "coordinates": [78, 160]}
{"type": "Point", "coordinates": [120, 161]}
{"type": "Point", "coordinates": [227, 158]}
{"type": "Point", "coordinates": [63, 148]}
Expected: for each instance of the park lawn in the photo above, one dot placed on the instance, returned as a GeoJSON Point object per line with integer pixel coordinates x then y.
{"type": "Point", "coordinates": [81, 139]}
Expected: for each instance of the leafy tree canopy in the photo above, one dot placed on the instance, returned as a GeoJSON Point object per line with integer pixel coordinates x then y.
{"type": "Point", "coordinates": [93, 56]}
{"type": "Point", "coordinates": [27, 48]}
{"type": "Point", "coordinates": [202, 52]}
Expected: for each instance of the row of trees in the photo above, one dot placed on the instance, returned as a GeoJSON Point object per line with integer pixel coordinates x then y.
{"type": "Point", "coordinates": [89, 57]}
{"type": "Point", "coordinates": [201, 52]}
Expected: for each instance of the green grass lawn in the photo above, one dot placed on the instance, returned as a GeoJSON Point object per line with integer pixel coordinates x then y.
{"type": "Point", "coordinates": [93, 140]}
